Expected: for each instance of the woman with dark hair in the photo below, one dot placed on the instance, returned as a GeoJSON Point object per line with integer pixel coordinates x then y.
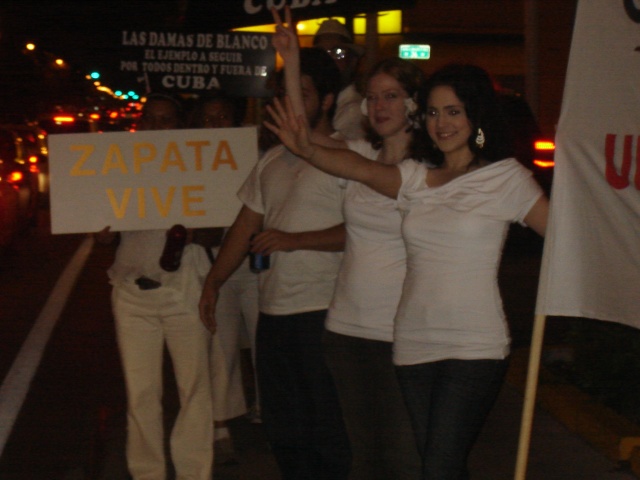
{"type": "Point", "coordinates": [451, 340]}
{"type": "Point", "coordinates": [359, 327]}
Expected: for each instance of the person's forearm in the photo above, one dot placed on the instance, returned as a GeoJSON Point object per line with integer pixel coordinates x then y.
{"type": "Point", "coordinates": [384, 179]}
{"type": "Point", "coordinates": [328, 240]}
{"type": "Point", "coordinates": [293, 83]}
{"type": "Point", "coordinates": [234, 249]}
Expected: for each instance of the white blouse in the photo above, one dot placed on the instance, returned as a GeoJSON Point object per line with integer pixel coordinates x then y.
{"type": "Point", "coordinates": [372, 271]}
{"type": "Point", "coordinates": [454, 234]}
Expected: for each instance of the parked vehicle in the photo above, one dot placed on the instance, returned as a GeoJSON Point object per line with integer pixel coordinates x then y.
{"type": "Point", "coordinates": [67, 122]}
{"type": "Point", "coordinates": [19, 194]}
{"type": "Point", "coordinates": [9, 211]}
{"type": "Point", "coordinates": [34, 141]}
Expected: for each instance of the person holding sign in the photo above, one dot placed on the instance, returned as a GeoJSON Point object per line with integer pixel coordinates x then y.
{"type": "Point", "coordinates": [156, 285]}
{"type": "Point", "coordinates": [451, 340]}
{"type": "Point", "coordinates": [293, 213]}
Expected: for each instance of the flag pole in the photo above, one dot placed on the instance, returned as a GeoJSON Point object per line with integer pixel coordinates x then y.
{"type": "Point", "coordinates": [530, 397]}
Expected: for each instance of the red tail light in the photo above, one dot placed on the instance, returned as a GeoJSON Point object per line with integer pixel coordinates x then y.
{"type": "Point", "coordinates": [544, 153]}
{"type": "Point", "coordinates": [545, 145]}
{"type": "Point", "coordinates": [63, 119]}
{"type": "Point", "coordinates": [15, 177]}
{"type": "Point", "coordinates": [544, 163]}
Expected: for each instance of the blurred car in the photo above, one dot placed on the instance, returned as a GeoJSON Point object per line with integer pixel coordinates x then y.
{"type": "Point", "coordinates": [19, 195]}
{"type": "Point", "coordinates": [66, 122]}
{"type": "Point", "coordinates": [9, 211]}
{"type": "Point", "coordinates": [34, 142]}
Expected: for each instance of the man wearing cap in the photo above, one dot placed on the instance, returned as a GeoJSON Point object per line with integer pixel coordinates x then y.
{"type": "Point", "coordinates": [334, 37]}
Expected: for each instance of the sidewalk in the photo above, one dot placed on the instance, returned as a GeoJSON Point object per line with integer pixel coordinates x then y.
{"type": "Point", "coordinates": [562, 444]}
{"type": "Point", "coordinates": [556, 451]}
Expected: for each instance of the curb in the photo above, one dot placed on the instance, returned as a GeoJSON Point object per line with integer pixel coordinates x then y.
{"type": "Point", "coordinates": [608, 432]}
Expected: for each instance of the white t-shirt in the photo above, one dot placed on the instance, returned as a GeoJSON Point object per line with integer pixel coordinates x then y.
{"type": "Point", "coordinates": [374, 263]}
{"type": "Point", "coordinates": [454, 234]}
{"type": "Point", "coordinates": [138, 254]}
{"type": "Point", "coordinates": [348, 119]}
{"type": "Point", "coordinates": [293, 196]}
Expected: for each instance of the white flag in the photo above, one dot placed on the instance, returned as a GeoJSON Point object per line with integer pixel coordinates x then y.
{"type": "Point", "coordinates": [591, 260]}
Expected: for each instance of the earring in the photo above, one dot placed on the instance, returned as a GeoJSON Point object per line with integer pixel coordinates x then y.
{"type": "Point", "coordinates": [363, 107]}
{"type": "Point", "coordinates": [480, 138]}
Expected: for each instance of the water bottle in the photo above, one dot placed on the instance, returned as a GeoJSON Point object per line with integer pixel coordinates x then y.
{"type": "Point", "coordinates": [257, 261]}
{"type": "Point", "coordinates": [173, 248]}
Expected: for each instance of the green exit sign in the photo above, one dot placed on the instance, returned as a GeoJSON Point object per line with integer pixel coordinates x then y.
{"type": "Point", "coordinates": [416, 52]}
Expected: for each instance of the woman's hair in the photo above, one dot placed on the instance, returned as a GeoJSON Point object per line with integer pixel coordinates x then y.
{"type": "Point", "coordinates": [412, 80]}
{"type": "Point", "coordinates": [475, 89]}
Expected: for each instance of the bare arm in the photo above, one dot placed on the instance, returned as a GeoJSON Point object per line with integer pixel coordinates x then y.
{"type": "Point", "coordinates": [538, 215]}
{"type": "Point", "coordinates": [285, 41]}
{"type": "Point", "coordinates": [328, 240]}
{"type": "Point", "coordinates": [294, 134]}
{"type": "Point", "coordinates": [231, 255]}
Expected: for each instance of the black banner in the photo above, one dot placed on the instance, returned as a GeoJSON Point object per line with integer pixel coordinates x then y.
{"type": "Point", "coordinates": [237, 63]}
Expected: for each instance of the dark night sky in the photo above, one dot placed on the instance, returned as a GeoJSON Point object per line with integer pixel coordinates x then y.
{"type": "Point", "coordinates": [82, 32]}
{"type": "Point", "coordinates": [87, 35]}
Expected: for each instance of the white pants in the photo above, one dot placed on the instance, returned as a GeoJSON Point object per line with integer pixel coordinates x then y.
{"type": "Point", "coordinates": [145, 320]}
{"type": "Point", "coordinates": [236, 318]}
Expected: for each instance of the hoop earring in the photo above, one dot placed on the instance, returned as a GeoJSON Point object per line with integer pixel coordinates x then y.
{"type": "Point", "coordinates": [480, 139]}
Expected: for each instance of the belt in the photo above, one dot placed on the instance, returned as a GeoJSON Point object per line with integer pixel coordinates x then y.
{"type": "Point", "coordinates": [145, 283]}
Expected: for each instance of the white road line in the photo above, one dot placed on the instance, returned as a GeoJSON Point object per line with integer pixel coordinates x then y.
{"type": "Point", "coordinates": [16, 384]}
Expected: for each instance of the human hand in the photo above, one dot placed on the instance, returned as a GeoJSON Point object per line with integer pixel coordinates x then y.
{"type": "Point", "coordinates": [292, 130]}
{"type": "Point", "coordinates": [105, 236]}
{"type": "Point", "coordinates": [207, 306]}
{"type": "Point", "coordinates": [285, 39]}
{"type": "Point", "coordinates": [269, 241]}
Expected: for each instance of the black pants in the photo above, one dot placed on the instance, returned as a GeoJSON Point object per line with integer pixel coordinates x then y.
{"type": "Point", "coordinates": [448, 402]}
{"type": "Point", "coordinates": [377, 420]}
{"type": "Point", "coordinates": [300, 410]}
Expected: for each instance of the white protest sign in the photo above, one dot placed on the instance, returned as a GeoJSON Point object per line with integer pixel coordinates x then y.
{"type": "Point", "coordinates": [148, 179]}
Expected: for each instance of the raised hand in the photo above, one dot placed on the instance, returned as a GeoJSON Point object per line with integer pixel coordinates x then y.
{"type": "Point", "coordinates": [285, 39]}
{"type": "Point", "coordinates": [292, 130]}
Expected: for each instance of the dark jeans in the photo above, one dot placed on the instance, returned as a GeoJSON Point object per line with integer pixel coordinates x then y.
{"type": "Point", "coordinates": [448, 402]}
{"type": "Point", "coordinates": [300, 410]}
{"type": "Point", "coordinates": [376, 417]}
